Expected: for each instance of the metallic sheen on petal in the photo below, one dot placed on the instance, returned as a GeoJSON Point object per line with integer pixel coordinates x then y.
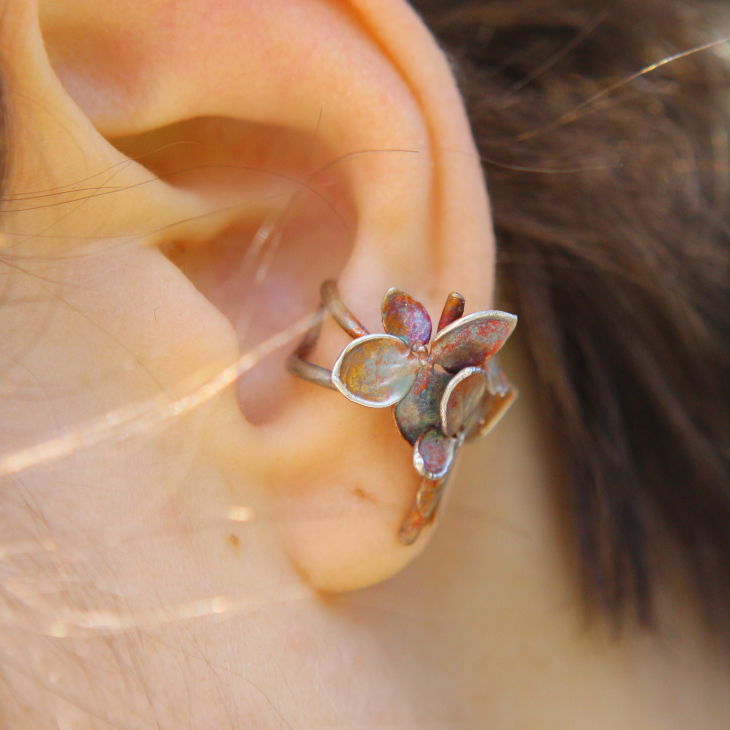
{"type": "Point", "coordinates": [472, 339]}
{"type": "Point", "coordinates": [453, 310]}
{"type": "Point", "coordinates": [460, 406]}
{"type": "Point", "coordinates": [433, 454]}
{"type": "Point", "coordinates": [375, 370]}
{"type": "Point", "coordinates": [419, 410]}
{"type": "Point", "coordinates": [406, 318]}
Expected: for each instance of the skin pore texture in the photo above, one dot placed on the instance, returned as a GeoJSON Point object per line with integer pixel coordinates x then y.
{"type": "Point", "coordinates": [237, 566]}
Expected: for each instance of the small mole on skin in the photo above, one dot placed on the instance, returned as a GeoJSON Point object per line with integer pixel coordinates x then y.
{"type": "Point", "coordinates": [233, 541]}
{"type": "Point", "coordinates": [363, 495]}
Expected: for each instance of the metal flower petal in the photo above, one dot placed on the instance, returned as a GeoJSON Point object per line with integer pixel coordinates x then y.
{"type": "Point", "coordinates": [419, 410]}
{"type": "Point", "coordinates": [433, 454]}
{"type": "Point", "coordinates": [472, 339]}
{"type": "Point", "coordinates": [375, 370]}
{"type": "Point", "coordinates": [406, 318]}
{"type": "Point", "coordinates": [460, 406]}
{"type": "Point", "coordinates": [453, 310]}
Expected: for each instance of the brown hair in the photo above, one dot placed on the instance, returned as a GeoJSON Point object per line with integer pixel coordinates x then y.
{"type": "Point", "coordinates": [612, 222]}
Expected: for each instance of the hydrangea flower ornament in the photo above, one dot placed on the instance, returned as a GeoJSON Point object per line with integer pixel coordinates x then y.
{"type": "Point", "coordinates": [441, 396]}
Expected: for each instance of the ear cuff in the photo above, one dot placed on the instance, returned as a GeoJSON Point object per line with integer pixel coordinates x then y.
{"type": "Point", "coordinates": [443, 391]}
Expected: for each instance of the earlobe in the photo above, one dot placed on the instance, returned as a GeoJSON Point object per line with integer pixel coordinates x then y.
{"type": "Point", "coordinates": [365, 84]}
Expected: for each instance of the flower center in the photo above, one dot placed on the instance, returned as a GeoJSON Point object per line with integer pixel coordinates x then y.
{"type": "Point", "coordinates": [421, 352]}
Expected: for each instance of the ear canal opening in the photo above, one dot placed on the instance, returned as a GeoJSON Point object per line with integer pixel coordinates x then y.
{"type": "Point", "coordinates": [281, 220]}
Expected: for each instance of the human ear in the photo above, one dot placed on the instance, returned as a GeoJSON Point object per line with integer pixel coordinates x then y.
{"type": "Point", "coordinates": [363, 90]}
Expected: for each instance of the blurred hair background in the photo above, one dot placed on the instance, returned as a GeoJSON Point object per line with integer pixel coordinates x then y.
{"type": "Point", "coordinates": [610, 193]}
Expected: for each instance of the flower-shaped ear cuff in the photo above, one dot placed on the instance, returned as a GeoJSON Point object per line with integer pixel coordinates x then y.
{"type": "Point", "coordinates": [441, 397]}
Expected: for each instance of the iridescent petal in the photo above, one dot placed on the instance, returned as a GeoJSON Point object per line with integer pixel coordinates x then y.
{"type": "Point", "coordinates": [433, 454]}
{"type": "Point", "coordinates": [472, 339]}
{"type": "Point", "coordinates": [461, 401]}
{"type": "Point", "coordinates": [406, 318]}
{"type": "Point", "coordinates": [375, 370]}
{"type": "Point", "coordinates": [419, 410]}
{"type": "Point", "coordinates": [453, 310]}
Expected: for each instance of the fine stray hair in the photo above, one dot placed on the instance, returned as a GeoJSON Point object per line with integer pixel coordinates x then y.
{"type": "Point", "coordinates": [613, 228]}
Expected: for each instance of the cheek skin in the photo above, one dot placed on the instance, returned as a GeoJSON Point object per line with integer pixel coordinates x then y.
{"type": "Point", "coordinates": [95, 318]}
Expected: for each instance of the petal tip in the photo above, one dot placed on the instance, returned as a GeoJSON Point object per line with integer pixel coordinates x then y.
{"type": "Point", "coordinates": [472, 339]}
{"type": "Point", "coordinates": [406, 318]}
{"type": "Point", "coordinates": [433, 454]}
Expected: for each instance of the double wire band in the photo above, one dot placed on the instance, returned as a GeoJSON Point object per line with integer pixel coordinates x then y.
{"type": "Point", "coordinates": [297, 363]}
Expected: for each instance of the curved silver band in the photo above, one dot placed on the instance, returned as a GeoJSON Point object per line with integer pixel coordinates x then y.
{"type": "Point", "coordinates": [297, 363]}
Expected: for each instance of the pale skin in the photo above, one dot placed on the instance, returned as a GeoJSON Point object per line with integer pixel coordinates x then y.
{"type": "Point", "coordinates": [238, 567]}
